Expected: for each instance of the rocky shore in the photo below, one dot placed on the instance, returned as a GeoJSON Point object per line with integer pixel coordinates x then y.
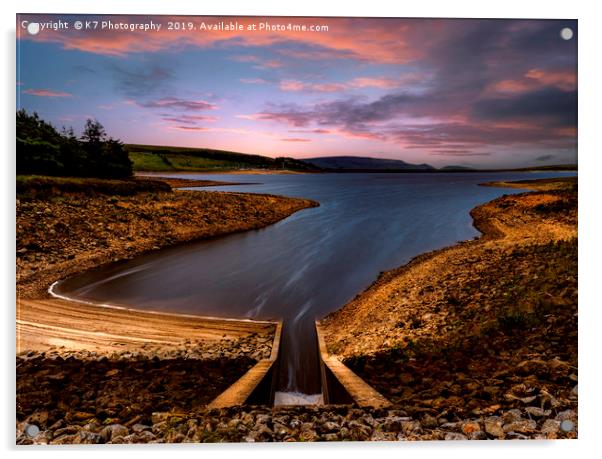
{"type": "Point", "coordinates": [291, 424]}
{"type": "Point", "coordinates": [474, 342]}
{"type": "Point", "coordinates": [65, 226]}
{"type": "Point", "coordinates": [481, 329]}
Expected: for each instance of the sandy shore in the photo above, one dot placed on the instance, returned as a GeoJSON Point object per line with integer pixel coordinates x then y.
{"type": "Point", "coordinates": [70, 326]}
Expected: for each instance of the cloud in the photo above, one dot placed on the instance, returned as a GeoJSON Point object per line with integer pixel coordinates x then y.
{"type": "Point", "coordinates": [46, 93]}
{"type": "Point", "coordinates": [296, 85]}
{"type": "Point", "coordinates": [178, 104]}
{"type": "Point", "coordinates": [189, 119]}
{"type": "Point", "coordinates": [458, 153]}
{"type": "Point", "coordinates": [565, 80]}
{"type": "Point", "coordinates": [380, 40]}
{"type": "Point", "coordinates": [188, 128]}
{"type": "Point", "coordinates": [295, 139]}
{"type": "Point", "coordinates": [253, 81]}
{"type": "Point", "coordinates": [309, 131]}
{"type": "Point", "coordinates": [544, 157]}
{"type": "Point", "coordinates": [143, 81]}
{"type": "Point", "coordinates": [554, 105]}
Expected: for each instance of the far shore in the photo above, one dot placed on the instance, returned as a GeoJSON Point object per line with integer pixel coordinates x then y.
{"type": "Point", "coordinates": [227, 172]}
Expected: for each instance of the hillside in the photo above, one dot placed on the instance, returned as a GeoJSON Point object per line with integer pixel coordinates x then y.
{"type": "Point", "coordinates": [164, 158]}
{"type": "Point", "coordinates": [364, 163]}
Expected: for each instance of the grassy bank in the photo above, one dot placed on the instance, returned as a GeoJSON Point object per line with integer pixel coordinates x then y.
{"type": "Point", "coordinates": [153, 158]}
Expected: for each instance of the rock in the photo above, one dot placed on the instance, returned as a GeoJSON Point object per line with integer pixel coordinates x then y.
{"type": "Point", "coordinates": [537, 412]}
{"type": "Point", "coordinates": [280, 429]}
{"type": "Point", "coordinates": [89, 438]}
{"type": "Point", "coordinates": [158, 417]}
{"type": "Point", "coordinates": [68, 430]}
{"type": "Point", "coordinates": [551, 428]}
{"type": "Point", "coordinates": [569, 415]}
{"type": "Point", "coordinates": [144, 437]}
{"type": "Point", "coordinates": [430, 422]}
{"type": "Point", "coordinates": [66, 439]}
{"type": "Point", "coordinates": [523, 427]}
{"type": "Point", "coordinates": [512, 416]}
{"type": "Point", "coordinates": [470, 427]}
{"type": "Point", "coordinates": [494, 426]}
{"type": "Point", "coordinates": [137, 428]}
{"type": "Point", "coordinates": [308, 435]}
{"type": "Point", "coordinates": [455, 436]}
{"type": "Point", "coordinates": [567, 425]}
{"type": "Point", "coordinates": [477, 435]}
{"type": "Point", "coordinates": [39, 418]}
{"type": "Point", "coordinates": [330, 427]}
{"type": "Point", "coordinates": [110, 432]}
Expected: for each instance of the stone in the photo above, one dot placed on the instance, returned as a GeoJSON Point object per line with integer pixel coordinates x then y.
{"type": "Point", "coordinates": [512, 416]}
{"type": "Point", "coordinates": [430, 422]}
{"type": "Point", "coordinates": [523, 427]}
{"type": "Point", "coordinates": [66, 439]}
{"type": "Point", "coordinates": [330, 427]}
{"type": "Point", "coordinates": [470, 427]}
{"type": "Point", "coordinates": [110, 432]}
{"type": "Point", "coordinates": [494, 426]}
{"type": "Point", "coordinates": [455, 436]}
{"type": "Point", "coordinates": [551, 428]}
{"type": "Point", "coordinates": [280, 429]}
{"type": "Point", "coordinates": [39, 418]}
{"type": "Point", "coordinates": [477, 435]}
{"type": "Point", "coordinates": [89, 438]}
{"type": "Point", "coordinates": [137, 428]}
{"type": "Point", "coordinates": [567, 425]}
{"type": "Point", "coordinates": [537, 412]}
{"type": "Point", "coordinates": [567, 415]}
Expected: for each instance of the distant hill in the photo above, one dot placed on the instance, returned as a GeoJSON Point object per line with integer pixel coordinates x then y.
{"type": "Point", "coordinates": [163, 158]}
{"type": "Point", "coordinates": [364, 163]}
{"type": "Point", "coordinates": [457, 168]}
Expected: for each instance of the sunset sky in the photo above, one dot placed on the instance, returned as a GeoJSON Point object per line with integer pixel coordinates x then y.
{"type": "Point", "coordinates": [482, 93]}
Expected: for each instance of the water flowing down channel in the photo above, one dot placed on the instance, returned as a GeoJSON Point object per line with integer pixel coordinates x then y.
{"type": "Point", "coordinates": [306, 265]}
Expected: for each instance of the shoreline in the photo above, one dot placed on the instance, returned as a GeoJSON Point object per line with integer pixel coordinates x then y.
{"type": "Point", "coordinates": [37, 289]}
{"type": "Point", "coordinates": [481, 332]}
{"type": "Point", "coordinates": [184, 216]}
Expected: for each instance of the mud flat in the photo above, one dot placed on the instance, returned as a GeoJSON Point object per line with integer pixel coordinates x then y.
{"type": "Point", "coordinates": [481, 329]}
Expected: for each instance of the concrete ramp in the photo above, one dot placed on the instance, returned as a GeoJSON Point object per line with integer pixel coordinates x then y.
{"type": "Point", "coordinates": [256, 386]}
{"type": "Point", "coordinates": [340, 385]}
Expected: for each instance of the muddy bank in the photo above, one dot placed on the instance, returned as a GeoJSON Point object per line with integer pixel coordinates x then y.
{"type": "Point", "coordinates": [72, 225]}
{"type": "Point", "coordinates": [479, 328]}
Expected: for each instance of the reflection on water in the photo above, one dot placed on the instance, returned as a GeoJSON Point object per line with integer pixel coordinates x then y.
{"type": "Point", "coordinates": [307, 265]}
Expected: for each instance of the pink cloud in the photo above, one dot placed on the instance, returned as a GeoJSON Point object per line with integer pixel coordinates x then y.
{"type": "Point", "coordinates": [380, 40]}
{"type": "Point", "coordinates": [46, 93]}
{"type": "Point", "coordinates": [296, 85]}
{"type": "Point", "coordinates": [295, 139]}
{"type": "Point", "coordinates": [537, 78]}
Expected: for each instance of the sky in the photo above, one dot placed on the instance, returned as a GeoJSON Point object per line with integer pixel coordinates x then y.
{"type": "Point", "coordinates": [471, 92]}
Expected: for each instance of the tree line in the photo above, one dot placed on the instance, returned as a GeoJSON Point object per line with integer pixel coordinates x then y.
{"type": "Point", "coordinates": [42, 150]}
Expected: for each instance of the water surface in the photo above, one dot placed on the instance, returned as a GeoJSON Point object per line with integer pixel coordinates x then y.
{"type": "Point", "coordinates": [308, 264]}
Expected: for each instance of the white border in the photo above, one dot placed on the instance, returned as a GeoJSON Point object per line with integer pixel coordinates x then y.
{"type": "Point", "coordinates": [590, 164]}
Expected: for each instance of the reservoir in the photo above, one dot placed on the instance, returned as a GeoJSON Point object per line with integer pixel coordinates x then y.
{"type": "Point", "coordinates": [306, 265]}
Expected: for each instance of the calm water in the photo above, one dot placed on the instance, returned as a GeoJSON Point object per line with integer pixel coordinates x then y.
{"type": "Point", "coordinates": [307, 265]}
